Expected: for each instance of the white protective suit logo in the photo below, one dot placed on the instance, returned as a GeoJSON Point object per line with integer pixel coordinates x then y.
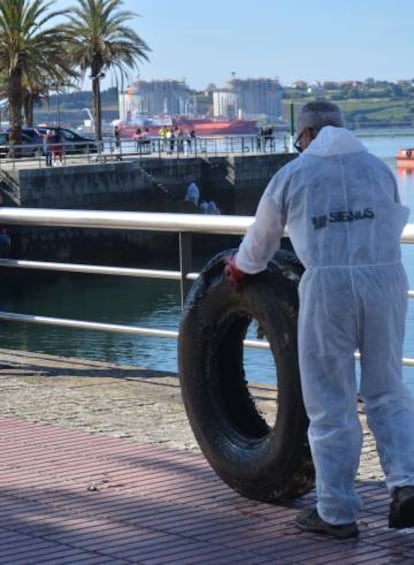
{"type": "Point", "coordinates": [342, 216]}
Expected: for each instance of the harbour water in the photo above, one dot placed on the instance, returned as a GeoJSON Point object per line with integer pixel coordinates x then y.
{"type": "Point", "coordinates": [152, 303]}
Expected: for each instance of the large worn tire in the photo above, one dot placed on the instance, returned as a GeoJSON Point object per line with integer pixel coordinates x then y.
{"type": "Point", "coordinates": [258, 461]}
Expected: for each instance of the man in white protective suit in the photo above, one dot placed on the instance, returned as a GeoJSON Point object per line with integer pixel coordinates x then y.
{"type": "Point", "coordinates": [344, 218]}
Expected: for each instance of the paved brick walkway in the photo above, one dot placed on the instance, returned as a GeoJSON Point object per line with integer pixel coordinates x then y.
{"type": "Point", "coordinates": [69, 496]}
{"type": "Point", "coordinates": [98, 465]}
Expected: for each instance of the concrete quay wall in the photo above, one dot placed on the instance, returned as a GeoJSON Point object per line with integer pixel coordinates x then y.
{"type": "Point", "coordinates": [234, 182]}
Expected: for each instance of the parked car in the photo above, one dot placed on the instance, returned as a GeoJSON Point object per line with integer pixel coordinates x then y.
{"type": "Point", "coordinates": [72, 142]}
{"type": "Point", "coordinates": [31, 145]}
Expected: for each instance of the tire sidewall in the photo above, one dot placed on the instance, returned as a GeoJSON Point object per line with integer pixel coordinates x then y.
{"type": "Point", "coordinates": [257, 466]}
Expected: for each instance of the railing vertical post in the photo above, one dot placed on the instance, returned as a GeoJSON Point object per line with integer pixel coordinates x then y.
{"type": "Point", "coordinates": [157, 146]}
{"type": "Point", "coordinates": [186, 260]}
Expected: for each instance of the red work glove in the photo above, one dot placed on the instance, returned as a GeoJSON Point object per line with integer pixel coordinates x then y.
{"type": "Point", "coordinates": [234, 275]}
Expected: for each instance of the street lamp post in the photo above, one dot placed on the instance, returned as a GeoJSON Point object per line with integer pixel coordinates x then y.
{"type": "Point", "coordinates": [58, 102]}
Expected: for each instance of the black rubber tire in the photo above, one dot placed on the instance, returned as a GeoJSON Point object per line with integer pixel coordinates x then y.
{"type": "Point", "coordinates": [258, 461]}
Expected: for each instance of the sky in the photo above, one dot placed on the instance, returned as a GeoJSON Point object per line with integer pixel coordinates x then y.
{"type": "Point", "coordinates": [319, 40]}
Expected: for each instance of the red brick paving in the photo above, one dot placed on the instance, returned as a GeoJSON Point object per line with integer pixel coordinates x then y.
{"type": "Point", "coordinates": [68, 496]}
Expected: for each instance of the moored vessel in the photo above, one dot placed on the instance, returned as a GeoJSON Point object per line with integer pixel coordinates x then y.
{"type": "Point", "coordinates": [201, 126]}
{"type": "Point", "coordinates": [405, 158]}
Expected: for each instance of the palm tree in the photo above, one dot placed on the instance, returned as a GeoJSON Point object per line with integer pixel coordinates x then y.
{"type": "Point", "coordinates": [36, 90]}
{"type": "Point", "coordinates": [101, 41]}
{"type": "Point", "coordinates": [28, 49]}
{"type": "Point", "coordinates": [32, 94]}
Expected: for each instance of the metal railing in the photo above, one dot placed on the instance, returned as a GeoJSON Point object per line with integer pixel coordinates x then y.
{"type": "Point", "coordinates": [206, 145]}
{"type": "Point", "coordinates": [109, 149]}
{"type": "Point", "coordinates": [34, 154]}
{"type": "Point", "coordinates": [184, 224]}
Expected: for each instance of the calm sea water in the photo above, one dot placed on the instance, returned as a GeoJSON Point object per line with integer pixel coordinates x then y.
{"type": "Point", "coordinates": [153, 304]}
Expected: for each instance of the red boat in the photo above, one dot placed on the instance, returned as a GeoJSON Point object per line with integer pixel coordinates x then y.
{"type": "Point", "coordinates": [405, 158]}
{"type": "Point", "coordinates": [201, 126]}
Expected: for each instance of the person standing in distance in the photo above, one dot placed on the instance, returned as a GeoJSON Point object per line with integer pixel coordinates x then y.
{"type": "Point", "coordinates": [117, 136]}
{"type": "Point", "coordinates": [345, 219]}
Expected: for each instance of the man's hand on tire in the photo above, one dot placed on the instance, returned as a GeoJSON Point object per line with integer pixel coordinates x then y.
{"type": "Point", "coordinates": [234, 275]}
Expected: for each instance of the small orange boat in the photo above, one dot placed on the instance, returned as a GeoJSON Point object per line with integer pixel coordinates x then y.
{"type": "Point", "coordinates": [405, 158]}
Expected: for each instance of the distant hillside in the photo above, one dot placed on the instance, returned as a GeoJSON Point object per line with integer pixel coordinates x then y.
{"type": "Point", "coordinates": [369, 112]}
{"type": "Point", "coordinates": [364, 104]}
{"type": "Point", "coordinates": [70, 109]}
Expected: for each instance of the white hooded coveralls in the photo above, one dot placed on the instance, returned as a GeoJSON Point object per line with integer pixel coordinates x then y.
{"type": "Point", "coordinates": [344, 218]}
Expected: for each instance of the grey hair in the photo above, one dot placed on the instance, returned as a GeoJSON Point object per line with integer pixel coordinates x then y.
{"type": "Point", "coordinates": [316, 115]}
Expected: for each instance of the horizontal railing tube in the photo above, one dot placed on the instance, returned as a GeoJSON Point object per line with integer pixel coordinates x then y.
{"type": "Point", "coordinates": [184, 224]}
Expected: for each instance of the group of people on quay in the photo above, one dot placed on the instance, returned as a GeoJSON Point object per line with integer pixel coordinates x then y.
{"type": "Point", "coordinates": [52, 148]}
{"type": "Point", "coordinates": [173, 139]}
{"type": "Point", "coordinates": [176, 139]}
{"type": "Point", "coordinates": [141, 136]}
{"type": "Point", "coordinates": [265, 139]}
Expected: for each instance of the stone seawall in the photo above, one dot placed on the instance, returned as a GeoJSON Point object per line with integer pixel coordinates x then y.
{"type": "Point", "coordinates": [236, 182]}
{"type": "Point", "coordinates": [149, 184]}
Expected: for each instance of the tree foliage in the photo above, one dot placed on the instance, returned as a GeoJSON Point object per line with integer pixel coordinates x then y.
{"type": "Point", "coordinates": [43, 48]}
{"type": "Point", "coordinates": [101, 41]}
{"type": "Point", "coordinates": [33, 52]}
